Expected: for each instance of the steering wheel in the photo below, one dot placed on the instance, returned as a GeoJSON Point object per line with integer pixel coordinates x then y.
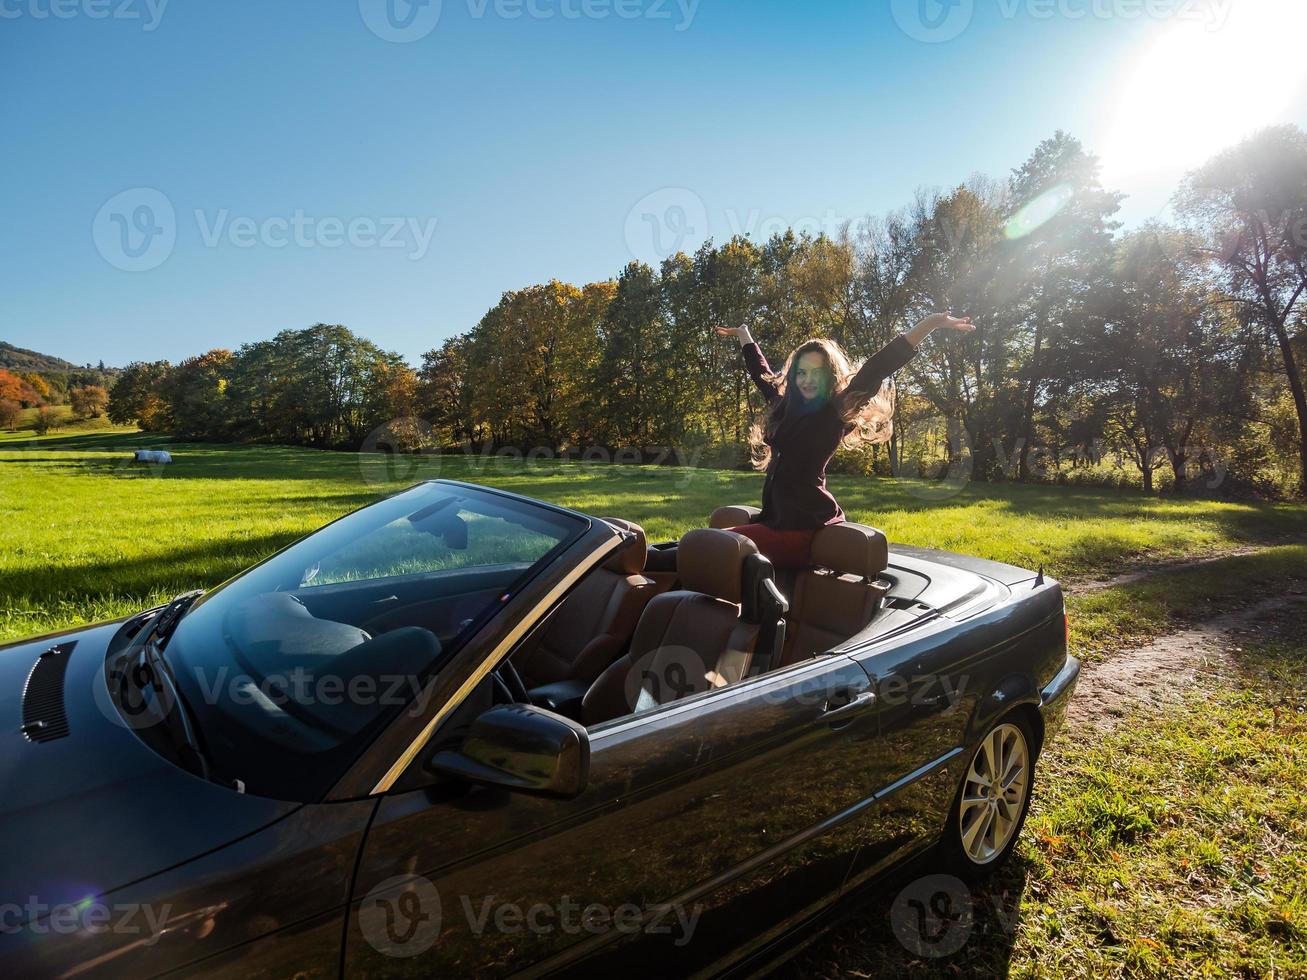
{"type": "Point", "coordinates": [507, 675]}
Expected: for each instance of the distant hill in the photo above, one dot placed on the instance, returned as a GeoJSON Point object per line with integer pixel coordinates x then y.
{"type": "Point", "coordinates": [20, 359]}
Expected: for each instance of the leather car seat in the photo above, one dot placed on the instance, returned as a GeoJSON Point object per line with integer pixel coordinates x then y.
{"type": "Point", "coordinates": [837, 597]}
{"type": "Point", "coordinates": [688, 640]}
{"type": "Point", "coordinates": [594, 624]}
{"type": "Point", "coordinates": [733, 515]}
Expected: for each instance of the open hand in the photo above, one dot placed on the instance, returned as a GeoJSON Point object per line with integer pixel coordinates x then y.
{"type": "Point", "coordinates": [730, 331]}
{"type": "Point", "coordinates": [937, 321]}
{"type": "Point", "coordinates": [934, 322]}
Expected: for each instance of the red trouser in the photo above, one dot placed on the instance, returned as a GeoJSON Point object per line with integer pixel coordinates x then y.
{"type": "Point", "coordinates": [786, 549]}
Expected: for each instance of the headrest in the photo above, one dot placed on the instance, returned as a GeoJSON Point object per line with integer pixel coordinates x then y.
{"type": "Point", "coordinates": [733, 516]}
{"type": "Point", "coordinates": [711, 561]}
{"type": "Point", "coordinates": [630, 557]}
{"type": "Point", "coordinates": [851, 549]}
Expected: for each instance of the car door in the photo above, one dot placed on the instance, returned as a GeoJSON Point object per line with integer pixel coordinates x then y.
{"type": "Point", "coordinates": [707, 826]}
{"type": "Point", "coordinates": [928, 682]}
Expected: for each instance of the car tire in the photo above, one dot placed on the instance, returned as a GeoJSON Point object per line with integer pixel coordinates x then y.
{"type": "Point", "coordinates": [989, 810]}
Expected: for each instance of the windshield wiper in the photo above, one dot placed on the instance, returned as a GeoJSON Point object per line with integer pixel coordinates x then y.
{"type": "Point", "coordinates": [165, 620]}
{"type": "Point", "coordinates": [149, 644]}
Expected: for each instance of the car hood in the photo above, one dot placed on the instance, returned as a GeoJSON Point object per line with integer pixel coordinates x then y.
{"type": "Point", "coordinates": [91, 810]}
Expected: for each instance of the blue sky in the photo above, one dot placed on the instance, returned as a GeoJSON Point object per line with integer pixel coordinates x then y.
{"type": "Point", "coordinates": [180, 176]}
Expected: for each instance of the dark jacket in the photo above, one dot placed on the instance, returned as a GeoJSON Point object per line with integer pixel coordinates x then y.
{"type": "Point", "coordinates": [794, 494]}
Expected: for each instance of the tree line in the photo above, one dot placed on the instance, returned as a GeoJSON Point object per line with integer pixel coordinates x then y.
{"type": "Point", "coordinates": [1174, 349]}
{"type": "Point", "coordinates": [85, 391]}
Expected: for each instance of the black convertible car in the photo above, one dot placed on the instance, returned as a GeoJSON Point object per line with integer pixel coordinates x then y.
{"type": "Point", "coordinates": [461, 732]}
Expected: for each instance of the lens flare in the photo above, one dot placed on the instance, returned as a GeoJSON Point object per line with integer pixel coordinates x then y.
{"type": "Point", "coordinates": [1202, 84]}
{"type": "Point", "coordinates": [1038, 212]}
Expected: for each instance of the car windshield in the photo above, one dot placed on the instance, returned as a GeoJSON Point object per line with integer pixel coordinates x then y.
{"type": "Point", "coordinates": [294, 665]}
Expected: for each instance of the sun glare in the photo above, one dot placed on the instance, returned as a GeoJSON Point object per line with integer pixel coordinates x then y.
{"type": "Point", "coordinates": [1200, 86]}
{"type": "Point", "coordinates": [1039, 212]}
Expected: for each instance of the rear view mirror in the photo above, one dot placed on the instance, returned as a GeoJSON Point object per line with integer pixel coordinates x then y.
{"type": "Point", "coordinates": [454, 530]}
{"type": "Point", "coordinates": [442, 524]}
{"type": "Point", "coordinates": [521, 747]}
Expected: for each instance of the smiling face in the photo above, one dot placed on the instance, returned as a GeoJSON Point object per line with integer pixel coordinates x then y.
{"type": "Point", "coordinates": [812, 376]}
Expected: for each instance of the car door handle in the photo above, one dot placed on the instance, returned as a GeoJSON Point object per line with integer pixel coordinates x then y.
{"type": "Point", "coordinates": [864, 700]}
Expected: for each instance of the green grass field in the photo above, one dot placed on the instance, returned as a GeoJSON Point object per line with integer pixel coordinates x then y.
{"type": "Point", "coordinates": [1175, 845]}
{"type": "Point", "coordinates": [88, 535]}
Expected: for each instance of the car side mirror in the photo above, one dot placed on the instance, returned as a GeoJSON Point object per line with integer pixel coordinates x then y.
{"type": "Point", "coordinates": [521, 747]}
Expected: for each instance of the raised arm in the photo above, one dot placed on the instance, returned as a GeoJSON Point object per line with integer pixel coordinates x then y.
{"type": "Point", "coordinates": [866, 383]}
{"type": "Point", "coordinates": [754, 362]}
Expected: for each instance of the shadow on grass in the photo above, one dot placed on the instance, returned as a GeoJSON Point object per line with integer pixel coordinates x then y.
{"type": "Point", "coordinates": [198, 566]}
{"type": "Point", "coordinates": [919, 922]}
{"type": "Point", "coordinates": [87, 442]}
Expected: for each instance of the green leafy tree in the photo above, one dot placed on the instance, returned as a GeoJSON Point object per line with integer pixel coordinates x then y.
{"type": "Point", "coordinates": [135, 396]}
{"type": "Point", "coordinates": [88, 401]}
{"type": "Point", "coordinates": [10, 413]}
{"type": "Point", "coordinates": [444, 391]}
{"type": "Point", "coordinates": [1249, 205]}
{"type": "Point", "coordinates": [195, 393]}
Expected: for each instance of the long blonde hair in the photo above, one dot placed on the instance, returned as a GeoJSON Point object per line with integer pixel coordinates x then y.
{"type": "Point", "coordinates": [872, 421]}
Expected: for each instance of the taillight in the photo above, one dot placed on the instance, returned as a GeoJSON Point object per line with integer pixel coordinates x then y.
{"type": "Point", "coordinates": [1066, 623]}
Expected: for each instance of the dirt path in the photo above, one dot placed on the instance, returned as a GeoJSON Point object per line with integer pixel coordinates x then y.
{"type": "Point", "coordinates": [1160, 672]}
{"type": "Point", "coordinates": [1148, 570]}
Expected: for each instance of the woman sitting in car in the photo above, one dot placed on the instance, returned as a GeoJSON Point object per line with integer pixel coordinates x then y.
{"type": "Point", "coordinates": [816, 403]}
